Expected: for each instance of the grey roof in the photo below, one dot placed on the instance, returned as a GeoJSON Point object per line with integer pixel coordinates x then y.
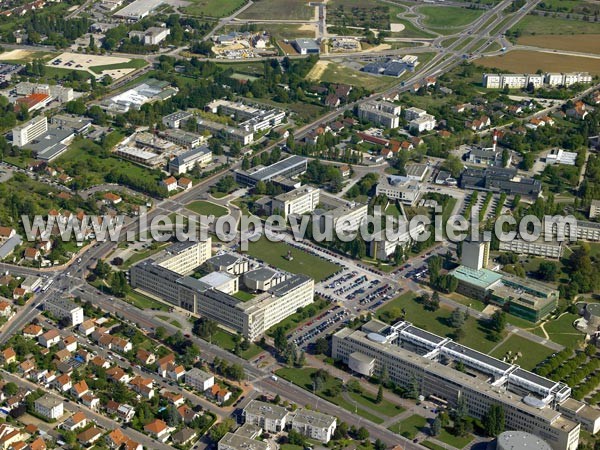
{"type": "Point", "coordinates": [308, 44]}
{"type": "Point", "coordinates": [183, 435]}
{"type": "Point", "coordinates": [267, 410]}
{"type": "Point", "coordinates": [190, 155]}
{"type": "Point", "coordinates": [226, 259]}
{"type": "Point", "coordinates": [266, 173]}
{"type": "Point", "coordinates": [240, 442]}
{"type": "Point", "coordinates": [193, 283]}
{"type": "Point", "coordinates": [49, 401]}
{"type": "Point", "coordinates": [48, 146]}
{"type": "Point", "coordinates": [63, 303]}
{"type": "Point", "coordinates": [261, 274]}
{"type": "Point", "coordinates": [522, 440]}
{"type": "Point", "coordinates": [419, 332]}
{"type": "Point", "coordinates": [216, 279]}
{"type": "Point", "coordinates": [291, 283]}
{"type": "Point", "coordinates": [198, 374]}
{"type": "Point", "coordinates": [482, 357]}
{"type": "Point", "coordinates": [530, 376]}
{"type": "Point", "coordinates": [313, 418]}
{"type": "Point", "coordinates": [10, 244]}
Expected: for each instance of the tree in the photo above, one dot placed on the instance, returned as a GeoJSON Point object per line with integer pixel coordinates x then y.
{"type": "Point", "coordinates": [548, 271]}
{"type": "Point", "coordinates": [10, 389]}
{"type": "Point", "coordinates": [493, 421]}
{"type": "Point", "coordinates": [321, 346]}
{"type": "Point", "coordinates": [295, 438]}
{"type": "Point", "coordinates": [379, 398]}
{"type": "Point", "coordinates": [205, 327]}
{"type": "Point", "coordinates": [457, 319]}
{"type": "Point", "coordinates": [362, 433]}
{"type": "Point", "coordinates": [380, 445]}
{"type": "Point", "coordinates": [280, 340]}
{"type": "Point", "coordinates": [498, 321]}
{"type": "Point", "coordinates": [119, 285]}
{"type": "Point", "coordinates": [160, 333]}
{"type": "Point", "coordinates": [436, 426]}
{"type": "Point", "coordinates": [216, 433]}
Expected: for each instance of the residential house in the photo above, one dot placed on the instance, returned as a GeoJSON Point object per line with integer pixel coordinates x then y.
{"type": "Point", "coordinates": [31, 254]}
{"type": "Point", "coordinates": [145, 357]}
{"type": "Point", "coordinates": [62, 383]}
{"type": "Point", "coordinates": [112, 199]}
{"type": "Point", "coordinates": [219, 394]}
{"type": "Point", "coordinates": [49, 338]}
{"type": "Point", "coordinates": [199, 379]}
{"type": "Point", "coordinates": [175, 372]}
{"type": "Point", "coordinates": [122, 411]}
{"type": "Point", "coordinates": [142, 386]}
{"type": "Point", "coordinates": [87, 327]}
{"type": "Point", "coordinates": [170, 183]}
{"type": "Point", "coordinates": [8, 356]}
{"type": "Point", "coordinates": [186, 414]}
{"type": "Point", "coordinates": [158, 430]}
{"type": "Point", "coordinates": [163, 364]}
{"type": "Point", "coordinates": [80, 389]}
{"type": "Point", "coordinates": [89, 436]}
{"type": "Point", "coordinates": [345, 170]}
{"type": "Point", "coordinates": [173, 398]}
{"type": "Point", "coordinates": [19, 293]}
{"type": "Point", "coordinates": [185, 183]}
{"type": "Point", "coordinates": [77, 420]}
{"type": "Point", "coordinates": [69, 343]}
{"type": "Point", "coordinates": [37, 444]}
{"type": "Point", "coordinates": [117, 374]}
{"type": "Point", "coordinates": [62, 355]}
{"type": "Point", "coordinates": [5, 309]}
{"type": "Point", "coordinates": [99, 361]}
{"type": "Point", "coordinates": [91, 401]}
{"type": "Point", "coordinates": [183, 436]}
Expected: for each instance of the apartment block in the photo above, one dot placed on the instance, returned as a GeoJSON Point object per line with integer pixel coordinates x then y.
{"type": "Point", "coordinates": [183, 163]}
{"type": "Point", "coordinates": [539, 247]}
{"type": "Point", "coordinates": [49, 406]}
{"type": "Point", "coordinates": [521, 81]}
{"type": "Point", "coordinates": [380, 113]}
{"type": "Point", "coordinates": [314, 425]}
{"type": "Point", "coordinates": [425, 122]}
{"type": "Point", "coordinates": [176, 119]}
{"type": "Point", "coordinates": [199, 379]}
{"type": "Point", "coordinates": [399, 188]}
{"type": "Point", "coordinates": [271, 418]}
{"type": "Point", "coordinates": [410, 354]}
{"type": "Point", "coordinates": [286, 168]}
{"type": "Point", "coordinates": [61, 307]}
{"type": "Point", "coordinates": [27, 132]}
{"type": "Point", "coordinates": [299, 201]}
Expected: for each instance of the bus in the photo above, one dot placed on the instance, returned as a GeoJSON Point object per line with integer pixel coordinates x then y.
{"type": "Point", "coordinates": [47, 285]}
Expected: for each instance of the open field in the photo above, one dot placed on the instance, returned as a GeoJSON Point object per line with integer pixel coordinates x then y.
{"type": "Point", "coordinates": [99, 66]}
{"type": "Point", "coordinates": [523, 61]}
{"type": "Point", "coordinates": [587, 44]}
{"type": "Point", "coordinates": [532, 353]}
{"type": "Point", "coordinates": [143, 302]}
{"type": "Point", "coordinates": [448, 16]}
{"type": "Point", "coordinates": [550, 25]}
{"type": "Point", "coordinates": [23, 56]}
{"type": "Point", "coordinates": [274, 254]}
{"type": "Point", "coordinates": [279, 9]}
{"type": "Point", "coordinates": [410, 31]}
{"type": "Point", "coordinates": [212, 8]}
{"type": "Point", "coordinates": [206, 208]}
{"type": "Point", "coordinates": [225, 340]}
{"type": "Point", "coordinates": [575, 6]}
{"type": "Point", "coordinates": [411, 426]}
{"type": "Point", "coordinates": [337, 73]}
{"type": "Point", "coordinates": [562, 330]}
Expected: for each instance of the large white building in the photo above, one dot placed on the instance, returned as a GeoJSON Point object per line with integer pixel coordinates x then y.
{"type": "Point", "coordinates": [299, 201]}
{"type": "Point", "coordinates": [313, 424]}
{"type": "Point", "coordinates": [249, 117]}
{"type": "Point", "coordinates": [426, 122]}
{"type": "Point", "coordinates": [413, 355]}
{"type": "Point", "coordinates": [183, 163]}
{"type": "Point", "coordinates": [61, 307]}
{"type": "Point", "coordinates": [30, 130]}
{"type": "Point", "coordinates": [271, 418]}
{"type": "Point", "coordinates": [381, 113]}
{"type": "Point", "coordinates": [199, 379]}
{"type": "Point", "coordinates": [399, 188]}
{"type": "Point", "coordinates": [521, 81]}
{"type": "Point", "coordinates": [49, 406]}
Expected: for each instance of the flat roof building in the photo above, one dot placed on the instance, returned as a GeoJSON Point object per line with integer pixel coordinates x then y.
{"type": "Point", "coordinates": [299, 201]}
{"type": "Point", "coordinates": [138, 10]}
{"type": "Point", "coordinates": [496, 179]}
{"type": "Point", "coordinates": [306, 46]}
{"type": "Point", "coordinates": [411, 354]}
{"type": "Point", "coordinates": [30, 130]}
{"type": "Point", "coordinates": [271, 418]}
{"type": "Point", "coordinates": [314, 425]}
{"type": "Point", "coordinates": [176, 119]}
{"type": "Point", "coordinates": [61, 307]}
{"type": "Point", "coordinates": [183, 163]}
{"type": "Point", "coordinates": [289, 167]}
{"type": "Point", "coordinates": [399, 188]}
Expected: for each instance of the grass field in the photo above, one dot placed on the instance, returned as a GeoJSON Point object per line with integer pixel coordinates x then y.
{"type": "Point", "coordinates": [438, 321]}
{"type": "Point", "coordinates": [279, 9]}
{"type": "Point", "coordinates": [385, 407]}
{"type": "Point", "coordinates": [207, 208]}
{"type": "Point", "coordinates": [587, 44]}
{"type": "Point", "coordinates": [431, 445]}
{"type": "Point", "coordinates": [410, 427]}
{"type": "Point", "coordinates": [562, 330]}
{"type": "Point", "coordinates": [138, 256]}
{"type": "Point", "coordinates": [212, 8]}
{"type": "Point", "coordinates": [534, 25]}
{"type": "Point", "coordinates": [225, 340]}
{"type": "Point", "coordinates": [331, 72]}
{"type": "Point", "coordinates": [274, 254]}
{"type": "Point", "coordinates": [132, 64]}
{"type": "Point", "coordinates": [441, 17]}
{"type": "Point", "coordinates": [532, 353]}
{"type": "Point", "coordinates": [522, 61]}
{"type": "Point", "coordinates": [141, 301]}
{"type": "Point", "coordinates": [410, 31]}
{"type": "Point", "coordinates": [243, 296]}
{"type": "Point", "coordinates": [454, 441]}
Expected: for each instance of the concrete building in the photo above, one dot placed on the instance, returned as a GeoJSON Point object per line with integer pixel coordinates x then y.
{"type": "Point", "coordinates": [496, 179]}
{"type": "Point", "coordinates": [579, 412]}
{"type": "Point", "coordinates": [49, 406]}
{"type": "Point", "coordinates": [30, 130]}
{"type": "Point", "coordinates": [184, 257]}
{"type": "Point", "coordinates": [140, 156]}
{"type": "Point", "coordinates": [236, 134]}
{"type": "Point", "coordinates": [314, 425]}
{"type": "Point", "coordinates": [138, 10]}
{"type": "Point", "coordinates": [152, 36]}
{"type": "Point", "coordinates": [79, 124]}
{"type": "Point", "coordinates": [263, 279]}
{"type": "Point", "coordinates": [410, 354]}
{"type": "Point", "coordinates": [176, 119]}
{"type": "Point", "coordinates": [346, 217]}
{"type": "Point", "coordinates": [183, 163]}
{"type": "Point", "coordinates": [228, 262]}
{"type": "Point", "coordinates": [383, 245]}
{"type": "Point", "coordinates": [199, 380]}
{"type": "Point", "coordinates": [381, 113]}
{"type": "Point", "coordinates": [594, 209]}
{"type": "Point", "coordinates": [286, 168]}
{"type": "Point", "coordinates": [539, 247]}
{"type": "Point", "coordinates": [475, 254]}
{"type": "Point", "coordinates": [306, 46]}
{"type": "Point", "coordinates": [414, 113]}
{"type": "Point", "coordinates": [521, 81]}
{"type": "Point", "coordinates": [425, 122]}
{"type": "Point", "coordinates": [490, 156]}
{"type": "Point", "coordinates": [299, 201]}
{"type": "Point", "coordinates": [416, 172]}
{"type": "Point", "coordinates": [235, 441]}
{"type": "Point", "coordinates": [248, 117]}
{"type": "Point", "coordinates": [588, 231]}
{"type": "Point", "coordinates": [399, 188]}
{"type": "Point", "coordinates": [251, 318]}
{"type": "Point", "coordinates": [271, 418]}
{"type": "Point", "coordinates": [61, 307]}
{"type": "Point", "coordinates": [222, 281]}
{"type": "Point", "coordinates": [182, 138]}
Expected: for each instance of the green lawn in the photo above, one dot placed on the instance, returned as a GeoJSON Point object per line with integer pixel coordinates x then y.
{"type": "Point", "coordinates": [531, 25]}
{"type": "Point", "coordinates": [302, 378]}
{"type": "Point", "coordinates": [393, 210]}
{"type": "Point", "coordinates": [431, 445]}
{"type": "Point", "coordinates": [385, 407]}
{"type": "Point", "coordinates": [138, 256]}
{"type": "Point", "coordinates": [338, 73]}
{"type": "Point", "coordinates": [206, 208]}
{"type": "Point", "coordinates": [448, 16]}
{"type": "Point", "coordinates": [274, 253]}
{"type": "Point", "coordinates": [454, 441]}
{"type": "Point", "coordinates": [213, 8]}
{"type": "Point", "coordinates": [562, 330]}
{"type": "Point", "coordinates": [532, 352]}
{"type": "Point", "coordinates": [131, 64]}
{"type": "Point", "coordinates": [410, 31]}
{"type": "Point", "coordinates": [279, 9]}
{"type": "Point", "coordinates": [143, 302]}
{"type": "Point", "coordinates": [410, 427]}
{"type": "Point", "coordinates": [475, 334]}
{"type": "Point", "coordinates": [225, 340]}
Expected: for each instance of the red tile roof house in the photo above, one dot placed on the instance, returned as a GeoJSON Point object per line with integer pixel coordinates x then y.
{"type": "Point", "coordinates": [185, 183]}
{"type": "Point", "coordinates": [80, 389]}
{"type": "Point", "coordinates": [170, 183]}
{"type": "Point", "coordinates": [62, 383]}
{"type": "Point", "coordinates": [32, 254]}
{"type": "Point", "coordinates": [145, 357]}
{"type": "Point", "coordinates": [89, 436]}
{"type": "Point", "coordinates": [157, 429]}
{"type": "Point", "coordinates": [77, 420]}
{"type": "Point", "coordinates": [49, 338]}
{"type": "Point", "coordinates": [111, 198]}
{"type": "Point", "coordinates": [18, 293]}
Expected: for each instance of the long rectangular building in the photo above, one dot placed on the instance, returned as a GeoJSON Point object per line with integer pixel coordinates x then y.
{"type": "Point", "coordinates": [410, 354]}
{"type": "Point", "coordinates": [288, 167]}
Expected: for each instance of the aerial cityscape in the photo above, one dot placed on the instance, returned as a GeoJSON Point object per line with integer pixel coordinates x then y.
{"type": "Point", "coordinates": [299, 225]}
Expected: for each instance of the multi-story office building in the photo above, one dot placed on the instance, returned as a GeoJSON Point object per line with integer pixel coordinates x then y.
{"type": "Point", "coordinates": [412, 355]}
{"type": "Point", "coordinates": [251, 318]}
{"type": "Point", "coordinates": [299, 201]}
{"type": "Point", "coordinates": [496, 179]}
{"type": "Point", "coordinates": [286, 168]}
{"type": "Point", "coordinates": [61, 307]}
{"type": "Point", "coordinates": [475, 254]}
{"type": "Point", "coordinates": [314, 425]}
{"type": "Point", "coordinates": [228, 262]}
{"type": "Point", "coordinates": [176, 119]}
{"type": "Point", "coordinates": [539, 247]}
{"type": "Point", "coordinates": [182, 138]}
{"type": "Point", "coordinates": [236, 134]}
{"type": "Point", "coordinates": [184, 257]}
{"type": "Point", "coordinates": [399, 188]}
{"type": "Point", "coordinates": [425, 122]}
{"type": "Point", "coordinates": [588, 231]}
{"type": "Point", "coordinates": [380, 113]}
{"type": "Point", "coordinates": [200, 156]}
{"type": "Point", "coordinates": [30, 130]}
{"type": "Point", "coordinates": [250, 118]}
{"type": "Point", "coordinates": [383, 245]}
{"type": "Point", "coordinates": [347, 217]}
